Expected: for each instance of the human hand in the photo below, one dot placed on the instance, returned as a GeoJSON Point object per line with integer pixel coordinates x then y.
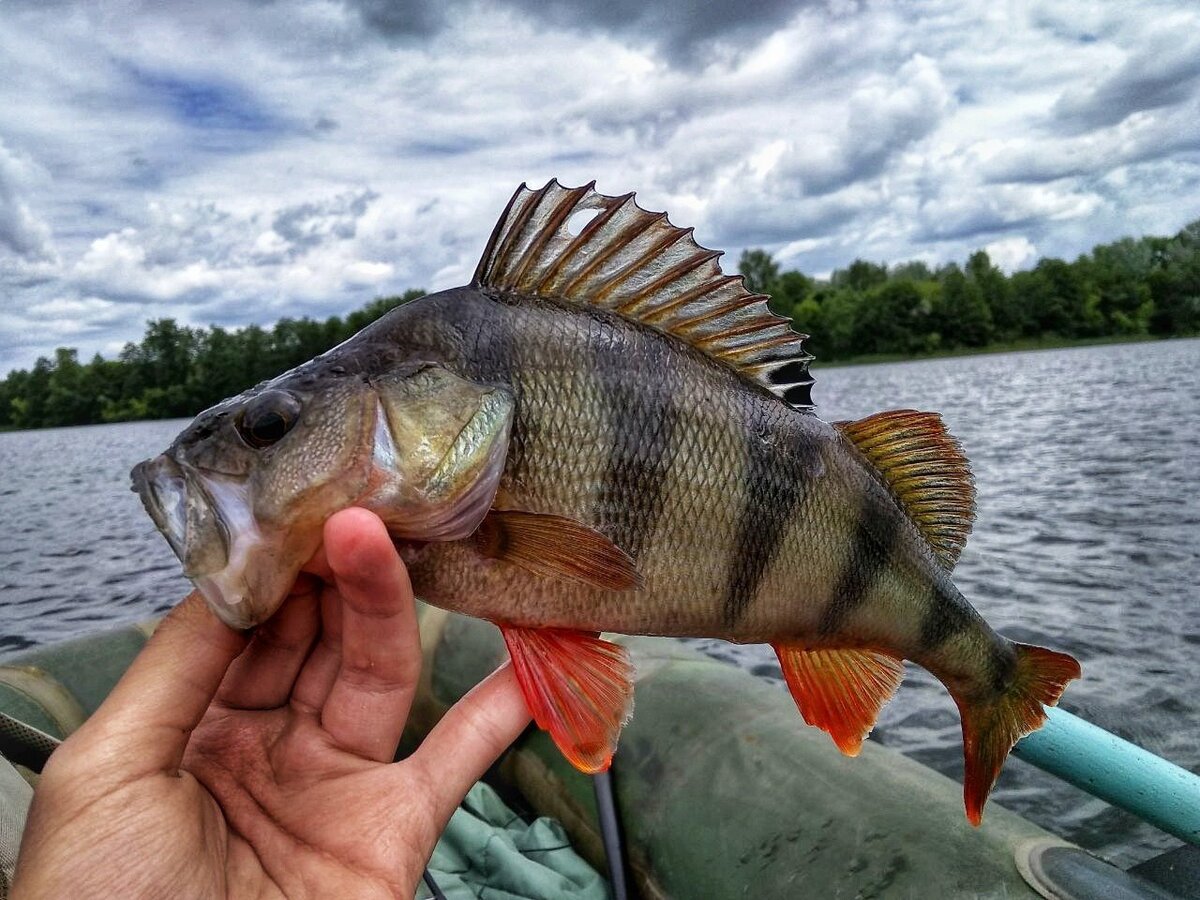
{"type": "Point", "coordinates": [227, 765]}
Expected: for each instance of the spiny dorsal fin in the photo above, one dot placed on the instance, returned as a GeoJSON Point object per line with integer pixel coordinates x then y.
{"type": "Point", "coordinates": [639, 265]}
{"type": "Point", "coordinates": [926, 470]}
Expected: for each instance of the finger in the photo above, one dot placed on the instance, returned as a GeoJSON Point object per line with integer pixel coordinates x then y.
{"type": "Point", "coordinates": [381, 646]}
{"type": "Point", "coordinates": [264, 675]}
{"type": "Point", "coordinates": [471, 737]}
{"type": "Point", "coordinates": [150, 714]}
{"type": "Point", "coordinates": [316, 678]}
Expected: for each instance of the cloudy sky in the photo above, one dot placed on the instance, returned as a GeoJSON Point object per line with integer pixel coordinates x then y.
{"type": "Point", "coordinates": [232, 162]}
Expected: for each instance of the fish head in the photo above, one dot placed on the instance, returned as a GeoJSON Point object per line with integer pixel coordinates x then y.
{"type": "Point", "coordinates": [243, 492]}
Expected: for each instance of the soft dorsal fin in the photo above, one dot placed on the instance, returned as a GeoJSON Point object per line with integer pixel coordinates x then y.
{"type": "Point", "coordinates": [642, 267]}
{"type": "Point", "coordinates": [926, 470]}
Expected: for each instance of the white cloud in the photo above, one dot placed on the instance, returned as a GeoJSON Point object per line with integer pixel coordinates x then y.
{"type": "Point", "coordinates": [21, 232]}
{"type": "Point", "coordinates": [318, 155]}
{"type": "Point", "coordinates": [1012, 253]}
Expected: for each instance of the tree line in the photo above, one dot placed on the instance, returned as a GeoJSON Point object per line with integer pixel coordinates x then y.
{"type": "Point", "coordinates": [174, 371]}
{"type": "Point", "coordinates": [1146, 286]}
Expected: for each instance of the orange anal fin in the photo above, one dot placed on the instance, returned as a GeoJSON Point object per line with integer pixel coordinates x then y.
{"type": "Point", "coordinates": [577, 687]}
{"type": "Point", "coordinates": [555, 546]}
{"type": "Point", "coordinates": [840, 691]}
{"type": "Point", "coordinates": [990, 728]}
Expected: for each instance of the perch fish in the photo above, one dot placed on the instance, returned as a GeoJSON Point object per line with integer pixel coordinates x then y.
{"type": "Point", "coordinates": [604, 433]}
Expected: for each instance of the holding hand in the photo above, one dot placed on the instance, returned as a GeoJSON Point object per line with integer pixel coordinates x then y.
{"type": "Point", "coordinates": [227, 765]}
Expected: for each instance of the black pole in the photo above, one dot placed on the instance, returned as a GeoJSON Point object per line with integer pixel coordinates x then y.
{"type": "Point", "coordinates": [432, 885]}
{"type": "Point", "coordinates": [610, 833]}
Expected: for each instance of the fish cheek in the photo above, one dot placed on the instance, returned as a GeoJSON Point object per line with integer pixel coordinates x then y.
{"type": "Point", "coordinates": [321, 466]}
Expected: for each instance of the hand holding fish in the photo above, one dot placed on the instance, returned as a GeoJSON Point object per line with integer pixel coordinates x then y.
{"type": "Point", "coordinates": [261, 765]}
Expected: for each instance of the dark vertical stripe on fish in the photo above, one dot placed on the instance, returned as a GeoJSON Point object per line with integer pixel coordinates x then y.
{"type": "Point", "coordinates": [775, 483]}
{"type": "Point", "coordinates": [869, 554]}
{"type": "Point", "coordinates": [642, 419]}
{"type": "Point", "coordinates": [948, 615]}
{"type": "Point", "coordinates": [496, 360]}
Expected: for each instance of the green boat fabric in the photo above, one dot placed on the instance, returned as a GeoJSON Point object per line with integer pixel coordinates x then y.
{"type": "Point", "coordinates": [15, 794]}
{"type": "Point", "coordinates": [490, 853]}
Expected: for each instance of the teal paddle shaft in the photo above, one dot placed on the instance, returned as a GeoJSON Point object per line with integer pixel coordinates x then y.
{"type": "Point", "coordinates": [1123, 774]}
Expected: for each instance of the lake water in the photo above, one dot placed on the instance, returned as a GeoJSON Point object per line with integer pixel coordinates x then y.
{"type": "Point", "coordinates": [1087, 464]}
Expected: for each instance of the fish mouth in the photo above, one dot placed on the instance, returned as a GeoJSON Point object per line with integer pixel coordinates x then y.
{"type": "Point", "coordinates": [183, 511]}
{"type": "Point", "coordinates": [209, 524]}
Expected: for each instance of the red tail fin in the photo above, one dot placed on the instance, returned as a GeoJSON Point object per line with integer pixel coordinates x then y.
{"type": "Point", "coordinates": [991, 728]}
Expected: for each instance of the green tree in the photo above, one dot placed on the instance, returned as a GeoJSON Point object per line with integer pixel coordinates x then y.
{"type": "Point", "coordinates": [1007, 314]}
{"type": "Point", "coordinates": [893, 318]}
{"type": "Point", "coordinates": [860, 275]}
{"type": "Point", "coordinates": [1175, 284]}
{"type": "Point", "coordinates": [69, 398]}
{"type": "Point", "coordinates": [789, 291]}
{"type": "Point", "coordinates": [1121, 273]}
{"type": "Point", "coordinates": [29, 408]}
{"type": "Point", "coordinates": [913, 270]}
{"type": "Point", "coordinates": [960, 314]}
{"type": "Point", "coordinates": [760, 271]}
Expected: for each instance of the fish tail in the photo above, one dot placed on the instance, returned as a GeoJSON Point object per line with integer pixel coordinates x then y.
{"type": "Point", "coordinates": [993, 725]}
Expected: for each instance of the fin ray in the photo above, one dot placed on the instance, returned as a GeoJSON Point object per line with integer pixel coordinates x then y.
{"type": "Point", "coordinates": [578, 688]}
{"type": "Point", "coordinates": [840, 691]}
{"type": "Point", "coordinates": [990, 729]}
{"type": "Point", "coordinates": [926, 469]}
{"type": "Point", "coordinates": [556, 547]}
{"type": "Point", "coordinates": [636, 263]}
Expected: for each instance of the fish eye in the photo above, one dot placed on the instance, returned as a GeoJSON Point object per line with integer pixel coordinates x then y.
{"type": "Point", "coordinates": [267, 418]}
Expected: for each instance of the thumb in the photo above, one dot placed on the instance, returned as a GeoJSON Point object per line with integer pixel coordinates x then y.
{"type": "Point", "coordinates": [152, 711]}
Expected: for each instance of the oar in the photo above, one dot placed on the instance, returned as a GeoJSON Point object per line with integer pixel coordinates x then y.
{"type": "Point", "coordinates": [1121, 773]}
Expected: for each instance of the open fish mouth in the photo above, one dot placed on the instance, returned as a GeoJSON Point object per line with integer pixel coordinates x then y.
{"type": "Point", "coordinates": [184, 512]}
{"type": "Point", "coordinates": [208, 522]}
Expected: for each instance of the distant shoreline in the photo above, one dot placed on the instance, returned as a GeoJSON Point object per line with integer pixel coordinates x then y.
{"type": "Point", "coordinates": [1018, 346]}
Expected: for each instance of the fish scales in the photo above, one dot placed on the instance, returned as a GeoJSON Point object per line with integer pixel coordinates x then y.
{"type": "Point", "coordinates": [592, 437]}
{"type": "Point", "coordinates": [760, 482]}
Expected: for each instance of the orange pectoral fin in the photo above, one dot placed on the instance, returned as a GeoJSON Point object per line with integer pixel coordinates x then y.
{"type": "Point", "coordinates": [556, 547]}
{"type": "Point", "coordinates": [578, 687]}
{"type": "Point", "coordinates": [840, 691]}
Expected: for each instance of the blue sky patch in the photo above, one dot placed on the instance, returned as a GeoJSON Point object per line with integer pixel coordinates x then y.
{"type": "Point", "coordinates": [207, 104]}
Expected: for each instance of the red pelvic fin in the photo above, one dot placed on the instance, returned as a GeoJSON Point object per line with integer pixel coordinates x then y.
{"type": "Point", "coordinates": [840, 691]}
{"type": "Point", "coordinates": [990, 728]}
{"type": "Point", "coordinates": [578, 688]}
{"type": "Point", "coordinates": [557, 547]}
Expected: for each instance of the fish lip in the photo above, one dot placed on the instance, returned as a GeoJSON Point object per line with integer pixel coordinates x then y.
{"type": "Point", "coordinates": [193, 509]}
{"type": "Point", "coordinates": [185, 511]}
{"type": "Point", "coordinates": [151, 479]}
